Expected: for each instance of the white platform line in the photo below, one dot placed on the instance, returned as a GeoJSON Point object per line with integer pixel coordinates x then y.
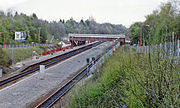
{"type": "Point", "coordinates": [19, 82]}
{"type": "Point", "coordinates": [46, 69]}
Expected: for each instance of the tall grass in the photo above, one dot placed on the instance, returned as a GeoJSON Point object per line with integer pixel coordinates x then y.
{"type": "Point", "coordinates": [130, 79]}
{"type": "Point", "coordinates": [19, 53]}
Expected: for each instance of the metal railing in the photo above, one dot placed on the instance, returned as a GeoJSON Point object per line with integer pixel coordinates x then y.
{"type": "Point", "coordinates": [169, 49]}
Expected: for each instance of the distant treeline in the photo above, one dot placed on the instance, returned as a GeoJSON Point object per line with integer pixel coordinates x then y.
{"type": "Point", "coordinates": [9, 23]}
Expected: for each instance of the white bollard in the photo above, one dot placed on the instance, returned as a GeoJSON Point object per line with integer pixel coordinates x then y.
{"type": "Point", "coordinates": [42, 68]}
{"type": "Point", "coordinates": [0, 73]}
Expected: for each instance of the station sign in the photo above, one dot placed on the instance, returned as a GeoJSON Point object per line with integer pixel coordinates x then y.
{"type": "Point", "coordinates": [20, 36]}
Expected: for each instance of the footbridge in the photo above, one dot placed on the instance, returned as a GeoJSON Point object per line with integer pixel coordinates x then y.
{"type": "Point", "coordinates": [80, 39]}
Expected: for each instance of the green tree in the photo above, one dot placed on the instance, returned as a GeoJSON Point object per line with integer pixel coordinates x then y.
{"type": "Point", "coordinates": [134, 32]}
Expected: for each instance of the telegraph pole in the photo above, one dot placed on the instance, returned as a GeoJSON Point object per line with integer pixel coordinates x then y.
{"type": "Point", "coordinates": [31, 51]}
{"type": "Point", "coordinates": [141, 33]}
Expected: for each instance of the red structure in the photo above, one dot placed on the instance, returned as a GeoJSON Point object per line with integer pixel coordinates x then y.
{"type": "Point", "coordinates": [56, 50]}
{"type": "Point", "coordinates": [79, 39]}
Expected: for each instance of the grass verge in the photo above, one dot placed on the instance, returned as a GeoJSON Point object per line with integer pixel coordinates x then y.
{"type": "Point", "coordinates": [19, 54]}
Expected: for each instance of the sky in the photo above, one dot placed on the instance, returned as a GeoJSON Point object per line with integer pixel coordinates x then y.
{"type": "Point", "coordinates": [124, 12]}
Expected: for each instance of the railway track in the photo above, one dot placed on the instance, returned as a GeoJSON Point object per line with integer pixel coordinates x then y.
{"type": "Point", "coordinates": [49, 62]}
{"type": "Point", "coordinates": [54, 97]}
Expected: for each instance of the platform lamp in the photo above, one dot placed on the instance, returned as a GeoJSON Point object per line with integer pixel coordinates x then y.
{"type": "Point", "coordinates": [46, 42]}
{"type": "Point", "coordinates": [142, 25]}
{"type": "Point", "coordinates": [39, 28]}
{"type": "Point", "coordinates": [32, 50]}
{"type": "Point", "coordinates": [57, 43]}
{"type": "Point", "coordinates": [12, 53]}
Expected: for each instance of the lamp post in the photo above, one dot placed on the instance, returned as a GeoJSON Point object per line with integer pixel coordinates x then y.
{"type": "Point", "coordinates": [28, 33]}
{"type": "Point", "coordinates": [141, 33]}
{"type": "Point", "coordinates": [46, 42]}
{"type": "Point", "coordinates": [39, 28]}
{"type": "Point", "coordinates": [12, 53]}
{"type": "Point", "coordinates": [57, 43]}
{"type": "Point", "coordinates": [32, 50]}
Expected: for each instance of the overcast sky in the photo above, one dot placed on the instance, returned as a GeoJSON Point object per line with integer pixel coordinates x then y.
{"type": "Point", "coordinates": [123, 12]}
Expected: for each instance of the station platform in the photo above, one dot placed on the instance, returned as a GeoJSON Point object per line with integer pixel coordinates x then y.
{"type": "Point", "coordinates": [29, 90]}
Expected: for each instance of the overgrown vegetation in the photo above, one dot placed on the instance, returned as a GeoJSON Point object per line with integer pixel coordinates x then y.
{"type": "Point", "coordinates": [19, 54]}
{"type": "Point", "coordinates": [130, 79]}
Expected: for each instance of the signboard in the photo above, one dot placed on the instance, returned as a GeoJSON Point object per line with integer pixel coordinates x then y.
{"type": "Point", "coordinates": [20, 36]}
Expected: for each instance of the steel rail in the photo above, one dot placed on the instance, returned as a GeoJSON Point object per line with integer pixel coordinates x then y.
{"type": "Point", "coordinates": [47, 63]}
{"type": "Point", "coordinates": [54, 97]}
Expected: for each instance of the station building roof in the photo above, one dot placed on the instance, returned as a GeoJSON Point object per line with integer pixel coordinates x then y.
{"type": "Point", "coordinates": [98, 35]}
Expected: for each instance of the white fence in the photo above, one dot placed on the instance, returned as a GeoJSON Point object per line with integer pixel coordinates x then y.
{"type": "Point", "coordinates": [170, 49]}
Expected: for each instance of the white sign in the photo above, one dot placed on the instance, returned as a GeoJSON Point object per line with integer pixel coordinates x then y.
{"type": "Point", "coordinates": [20, 36]}
{"type": "Point", "coordinates": [42, 68]}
